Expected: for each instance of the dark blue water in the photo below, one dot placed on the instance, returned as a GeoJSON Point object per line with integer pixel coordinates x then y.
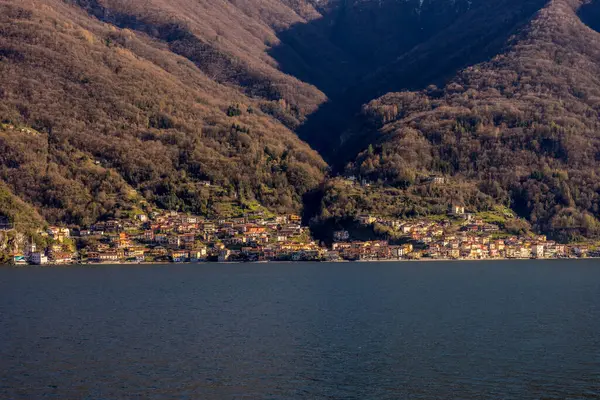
{"type": "Point", "coordinates": [492, 330]}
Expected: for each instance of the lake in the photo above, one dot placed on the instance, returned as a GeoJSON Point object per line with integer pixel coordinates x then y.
{"type": "Point", "coordinates": [418, 330]}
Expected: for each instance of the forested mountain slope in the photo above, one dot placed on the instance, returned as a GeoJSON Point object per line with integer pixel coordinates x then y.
{"type": "Point", "coordinates": [108, 103]}
{"type": "Point", "coordinates": [393, 45]}
{"type": "Point", "coordinates": [191, 104]}
{"type": "Point", "coordinates": [96, 118]}
{"type": "Point", "coordinates": [524, 126]}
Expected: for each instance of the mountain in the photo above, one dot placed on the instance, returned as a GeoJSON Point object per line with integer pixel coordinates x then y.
{"type": "Point", "coordinates": [204, 105]}
{"type": "Point", "coordinates": [523, 127]}
{"type": "Point", "coordinates": [105, 105]}
{"type": "Point", "coordinates": [404, 45]}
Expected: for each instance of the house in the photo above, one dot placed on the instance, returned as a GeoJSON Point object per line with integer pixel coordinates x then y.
{"type": "Point", "coordinates": [192, 219]}
{"type": "Point", "coordinates": [511, 252]}
{"type": "Point", "coordinates": [437, 180]}
{"type": "Point", "coordinates": [255, 230]}
{"type": "Point", "coordinates": [437, 232]}
{"type": "Point", "coordinates": [580, 251]}
{"type": "Point", "coordinates": [19, 259]}
{"type": "Point", "coordinates": [537, 250]}
{"type": "Point", "coordinates": [416, 236]}
{"type": "Point", "coordinates": [341, 246]}
{"type": "Point", "coordinates": [59, 233]}
{"type": "Point", "coordinates": [198, 254]}
{"type": "Point", "coordinates": [550, 251]}
{"type": "Point", "coordinates": [468, 216]}
{"type": "Point", "coordinates": [161, 238]}
{"type": "Point", "coordinates": [395, 252]}
{"type": "Point", "coordinates": [188, 238]}
{"type": "Point", "coordinates": [30, 249]}
{"type": "Point", "coordinates": [174, 241]}
{"type": "Point", "coordinates": [134, 252]}
{"type": "Point", "coordinates": [112, 226]}
{"type": "Point", "coordinates": [405, 249]}
{"type": "Point", "coordinates": [103, 256]}
{"type": "Point", "coordinates": [38, 258]}
{"type": "Point", "coordinates": [340, 236]}
{"type": "Point", "coordinates": [454, 253]}
{"type": "Point", "coordinates": [561, 250]}
{"type": "Point", "coordinates": [123, 240]}
{"type": "Point", "coordinates": [183, 228]}
{"type": "Point", "coordinates": [237, 240]}
{"type": "Point", "coordinates": [366, 219]}
{"type": "Point", "coordinates": [158, 251]}
{"type": "Point", "coordinates": [457, 210]}
{"type": "Point", "coordinates": [148, 235]}
{"type": "Point", "coordinates": [109, 256]}
{"type": "Point", "coordinates": [471, 228]}
{"type": "Point", "coordinates": [62, 258]}
{"type": "Point", "coordinates": [209, 227]}
{"type": "Point", "coordinates": [406, 229]}
{"type": "Point", "coordinates": [490, 228]}
{"type": "Point", "coordinates": [270, 253]}
{"type": "Point", "coordinates": [525, 252]}
{"type": "Point", "coordinates": [288, 232]}
{"type": "Point", "coordinates": [179, 256]}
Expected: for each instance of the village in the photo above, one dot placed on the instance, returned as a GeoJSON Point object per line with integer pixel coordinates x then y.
{"type": "Point", "coordinates": [462, 237]}
{"type": "Point", "coordinates": [168, 236]}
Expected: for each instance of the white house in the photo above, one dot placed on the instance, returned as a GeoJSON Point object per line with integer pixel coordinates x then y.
{"type": "Point", "coordinates": [38, 258]}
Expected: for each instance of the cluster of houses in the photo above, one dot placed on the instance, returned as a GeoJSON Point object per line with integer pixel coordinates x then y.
{"type": "Point", "coordinates": [368, 251]}
{"type": "Point", "coordinates": [470, 239]}
{"type": "Point", "coordinates": [60, 251]}
{"type": "Point", "coordinates": [175, 237]}
{"type": "Point", "coordinates": [462, 245]}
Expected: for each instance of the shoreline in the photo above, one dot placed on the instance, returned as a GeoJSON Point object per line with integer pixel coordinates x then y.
{"type": "Point", "coordinates": [423, 260]}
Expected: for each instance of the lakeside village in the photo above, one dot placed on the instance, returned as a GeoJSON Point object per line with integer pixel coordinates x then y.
{"type": "Point", "coordinates": [174, 237]}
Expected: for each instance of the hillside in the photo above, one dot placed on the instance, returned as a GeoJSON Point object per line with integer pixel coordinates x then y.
{"type": "Point", "coordinates": [97, 118]}
{"type": "Point", "coordinates": [107, 106]}
{"type": "Point", "coordinates": [227, 41]}
{"type": "Point", "coordinates": [395, 45]}
{"type": "Point", "coordinates": [523, 127]}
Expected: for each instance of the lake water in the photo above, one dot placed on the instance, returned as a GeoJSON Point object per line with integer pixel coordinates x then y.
{"type": "Point", "coordinates": [440, 330]}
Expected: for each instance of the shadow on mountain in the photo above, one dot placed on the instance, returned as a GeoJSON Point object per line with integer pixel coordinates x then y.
{"type": "Point", "coordinates": [354, 38]}
{"type": "Point", "coordinates": [590, 14]}
{"type": "Point", "coordinates": [358, 52]}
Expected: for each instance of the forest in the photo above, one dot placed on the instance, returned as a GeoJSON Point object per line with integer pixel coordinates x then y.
{"type": "Point", "coordinates": [522, 127]}
{"type": "Point", "coordinates": [95, 119]}
{"type": "Point", "coordinates": [107, 105]}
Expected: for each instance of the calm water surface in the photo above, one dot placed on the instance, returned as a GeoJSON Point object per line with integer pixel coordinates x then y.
{"type": "Point", "coordinates": [492, 330]}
